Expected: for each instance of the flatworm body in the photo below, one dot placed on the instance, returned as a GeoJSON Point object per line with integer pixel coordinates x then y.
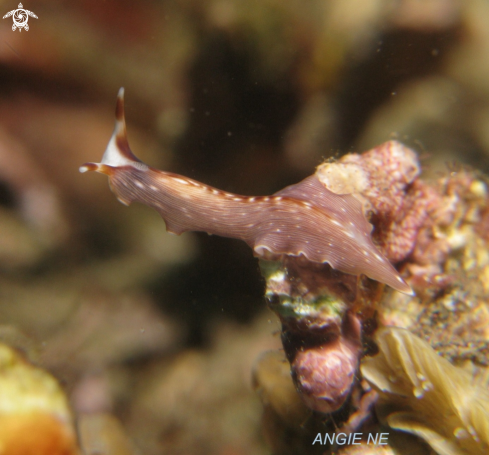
{"type": "Point", "coordinates": [303, 219]}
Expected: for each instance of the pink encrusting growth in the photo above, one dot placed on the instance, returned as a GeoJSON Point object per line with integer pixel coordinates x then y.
{"type": "Point", "coordinates": [386, 178]}
{"type": "Point", "coordinates": [303, 219]}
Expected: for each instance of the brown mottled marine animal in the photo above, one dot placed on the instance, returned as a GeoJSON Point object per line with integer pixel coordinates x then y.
{"type": "Point", "coordinates": [305, 219]}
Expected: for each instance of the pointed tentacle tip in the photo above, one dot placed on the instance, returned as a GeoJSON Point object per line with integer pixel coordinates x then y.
{"type": "Point", "coordinates": [95, 167]}
{"type": "Point", "coordinates": [119, 110]}
{"type": "Point", "coordinates": [87, 167]}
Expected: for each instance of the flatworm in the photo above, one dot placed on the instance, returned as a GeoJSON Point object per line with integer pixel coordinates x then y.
{"type": "Point", "coordinates": [303, 219]}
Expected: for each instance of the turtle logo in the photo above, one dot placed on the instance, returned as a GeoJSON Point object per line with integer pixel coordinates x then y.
{"type": "Point", "coordinates": [20, 17]}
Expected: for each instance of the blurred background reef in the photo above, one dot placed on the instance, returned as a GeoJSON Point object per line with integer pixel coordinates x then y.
{"type": "Point", "coordinates": [153, 337]}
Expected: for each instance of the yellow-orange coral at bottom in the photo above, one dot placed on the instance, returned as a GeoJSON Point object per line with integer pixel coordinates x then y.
{"type": "Point", "coordinates": [35, 434]}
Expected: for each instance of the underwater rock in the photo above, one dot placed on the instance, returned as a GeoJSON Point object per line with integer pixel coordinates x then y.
{"type": "Point", "coordinates": [438, 232]}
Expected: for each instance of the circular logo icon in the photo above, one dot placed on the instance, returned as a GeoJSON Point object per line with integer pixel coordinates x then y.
{"type": "Point", "coordinates": [20, 18]}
